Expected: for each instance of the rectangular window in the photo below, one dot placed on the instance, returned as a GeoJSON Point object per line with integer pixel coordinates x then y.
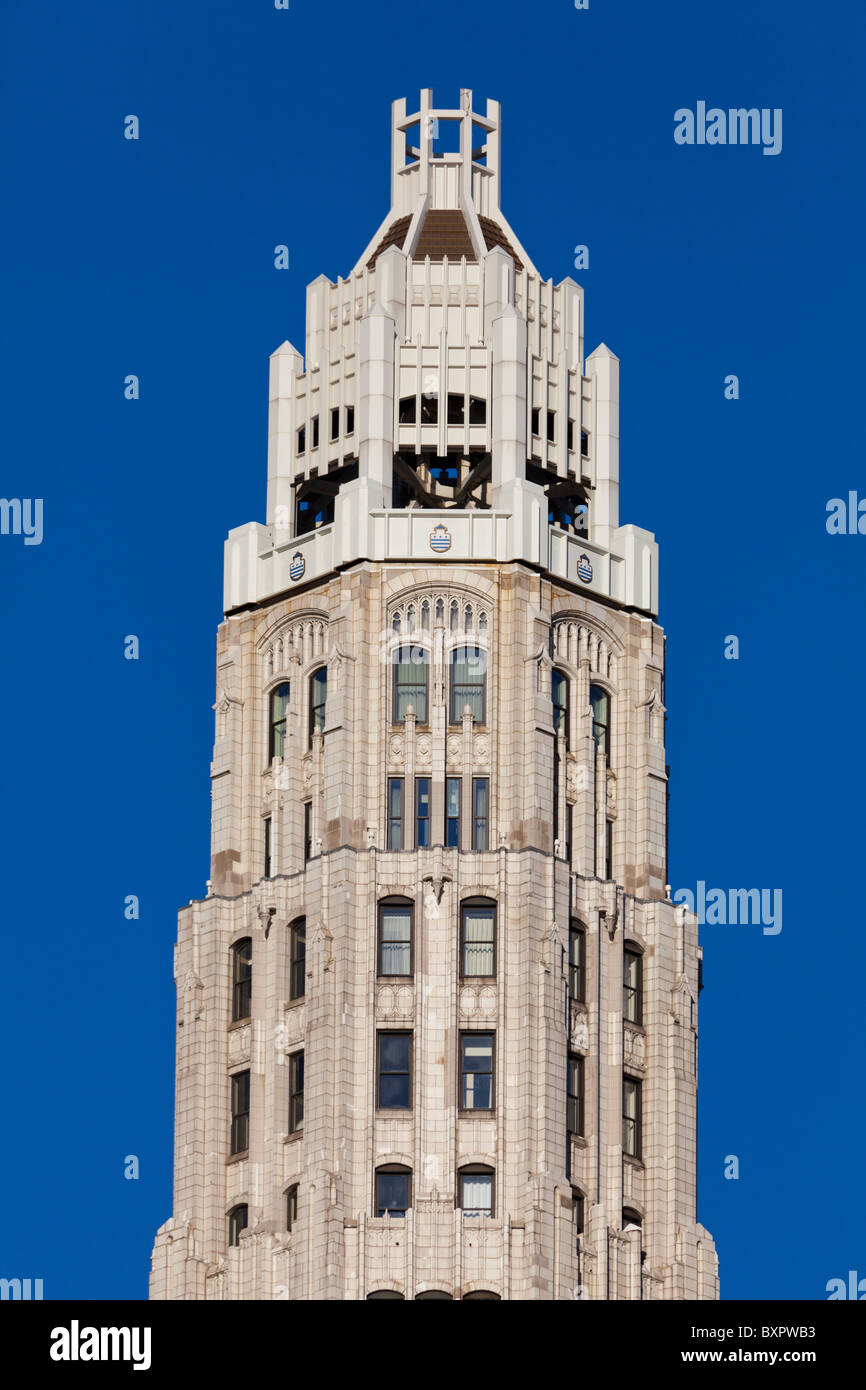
{"type": "Point", "coordinates": [267, 847]}
{"type": "Point", "coordinates": [632, 987]}
{"type": "Point", "coordinates": [395, 813]}
{"type": "Point", "coordinates": [452, 812]}
{"type": "Point", "coordinates": [476, 1071]}
{"type": "Point", "coordinates": [308, 830]}
{"type": "Point", "coordinates": [478, 946]}
{"type": "Point", "coordinates": [608, 850]}
{"type": "Point", "coordinates": [302, 440]}
{"type": "Point", "coordinates": [297, 963]}
{"type": "Point", "coordinates": [240, 1136]}
{"type": "Point", "coordinates": [315, 423]}
{"type": "Point", "coordinates": [394, 1069]}
{"type": "Point", "coordinates": [318, 700]}
{"type": "Point", "coordinates": [395, 939]}
{"type": "Point", "coordinates": [335, 422]}
{"type": "Point", "coordinates": [551, 426]}
{"type": "Point", "coordinates": [350, 419]}
{"type": "Point", "coordinates": [242, 979]}
{"type": "Point", "coordinates": [576, 1212]}
{"type": "Point", "coordinates": [536, 421]}
{"type": "Point", "coordinates": [584, 444]}
{"type": "Point", "coordinates": [569, 431]}
{"type": "Point", "coordinates": [296, 1093]}
{"type": "Point", "coordinates": [422, 812]}
{"type": "Point", "coordinates": [631, 1117]}
{"type": "Point", "coordinates": [393, 1193]}
{"type": "Point", "coordinates": [410, 683]}
{"type": "Point", "coordinates": [476, 1194]}
{"type": "Point", "coordinates": [577, 964]}
{"type": "Point", "coordinates": [291, 1207]}
{"type": "Point", "coordinates": [279, 710]}
{"type": "Point", "coordinates": [574, 1104]}
{"type": "Point", "coordinates": [480, 786]}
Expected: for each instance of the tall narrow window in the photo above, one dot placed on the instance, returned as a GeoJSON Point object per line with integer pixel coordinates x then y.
{"type": "Point", "coordinates": [574, 1100]}
{"type": "Point", "coordinates": [296, 1093]}
{"type": "Point", "coordinates": [600, 702]}
{"type": "Point", "coordinates": [298, 958]}
{"type": "Point", "coordinates": [308, 830]}
{"type": "Point", "coordinates": [238, 1217]}
{"type": "Point", "coordinates": [608, 850]}
{"type": "Point", "coordinates": [240, 1135]}
{"type": "Point", "coordinates": [393, 1191]}
{"type": "Point", "coordinates": [476, 1071]}
{"type": "Point", "coordinates": [422, 812]}
{"type": "Point", "coordinates": [559, 691]}
{"type": "Point", "coordinates": [468, 669]}
{"type": "Point", "coordinates": [452, 812]}
{"type": "Point", "coordinates": [476, 1191]}
{"type": "Point", "coordinates": [577, 1209]}
{"type": "Point", "coordinates": [302, 440]}
{"type": "Point", "coordinates": [335, 422]}
{"type": "Point", "coordinates": [395, 813]}
{"type": "Point", "coordinates": [478, 939]}
{"type": "Point", "coordinates": [577, 964]}
{"type": "Point", "coordinates": [291, 1206]}
{"type": "Point", "coordinates": [315, 423]}
{"type": "Point", "coordinates": [279, 708]}
{"type": "Point", "coordinates": [394, 1071]}
{"type": "Point", "coordinates": [395, 939]}
{"type": "Point", "coordinates": [350, 419]}
{"type": "Point", "coordinates": [584, 444]}
{"type": "Point", "coordinates": [631, 1117]}
{"type": "Point", "coordinates": [242, 979]}
{"type": "Point", "coordinates": [318, 699]}
{"type": "Point", "coordinates": [569, 435]}
{"type": "Point", "coordinates": [551, 426]}
{"type": "Point", "coordinates": [480, 793]}
{"type": "Point", "coordinates": [267, 827]}
{"type": "Point", "coordinates": [410, 683]}
{"type": "Point", "coordinates": [536, 421]}
{"type": "Point", "coordinates": [632, 986]}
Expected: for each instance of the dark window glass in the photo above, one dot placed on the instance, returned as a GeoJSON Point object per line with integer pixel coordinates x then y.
{"type": "Point", "coordinates": [298, 957]}
{"type": "Point", "coordinates": [452, 812]}
{"type": "Point", "coordinates": [381, 1294]}
{"type": "Point", "coordinates": [318, 699]}
{"type": "Point", "coordinates": [237, 1222]}
{"type": "Point", "coordinates": [242, 979]}
{"type": "Point", "coordinates": [477, 411]}
{"type": "Point", "coordinates": [577, 964]}
{"type": "Point", "coordinates": [395, 813]}
{"type": "Point", "coordinates": [296, 1093]}
{"type": "Point", "coordinates": [577, 1211]}
{"type": "Point", "coordinates": [335, 422]}
{"type": "Point", "coordinates": [430, 408]}
{"type": "Point", "coordinates": [584, 444]}
{"type": "Point", "coordinates": [240, 1089]}
{"type": "Point", "coordinates": [478, 940]}
{"type": "Point", "coordinates": [302, 440]}
{"type": "Point", "coordinates": [575, 1095]}
{"type": "Point", "coordinates": [432, 1293]}
{"type": "Point", "coordinates": [468, 669]}
{"type": "Point", "coordinates": [551, 426]}
{"type": "Point", "coordinates": [395, 1056]}
{"type": "Point", "coordinates": [480, 790]}
{"type": "Point", "coordinates": [395, 939]}
{"type": "Point", "coordinates": [410, 683]}
{"type": "Point", "coordinates": [308, 830]}
{"type": "Point", "coordinates": [407, 410]}
{"type": "Point", "coordinates": [279, 709]}
{"type": "Point", "coordinates": [536, 421]}
{"type": "Point", "coordinates": [422, 812]}
{"type": "Point", "coordinates": [559, 690]}
{"type": "Point", "coordinates": [630, 1217]}
{"type": "Point", "coordinates": [478, 1294]}
{"type": "Point", "coordinates": [569, 433]}
{"type": "Point", "coordinates": [393, 1192]}
{"type": "Point", "coordinates": [608, 850]}
{"type": "Point", "coordinates": [315, 431]}
{"type": "Point", "coordinates": [600, 702]}
{"type": "Point", "coordinates": [350, 419]}
{"type": "Point", "coordinates": [455, 409]}
{"type": "Point", "coordinates": [476, 1071]}
{"type": "Point", "coordinates": [291, 1207]}
{"type": "Point", "coordinates": [267, 847]}
{"type": "Point", "coordinates": [632, 986]}
{"type": "Point", "coordinates": [476, 1192]}
{"type": "Point", "coordinates": [631, 1117]}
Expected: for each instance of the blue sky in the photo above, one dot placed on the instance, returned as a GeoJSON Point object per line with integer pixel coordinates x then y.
{"type": "Point", "coordinates": [155, 257]}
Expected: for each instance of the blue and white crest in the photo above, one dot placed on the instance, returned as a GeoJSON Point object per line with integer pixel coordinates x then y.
{"type": "Point", "coordinates": [298, 565]}
{"type": "Point", "coordinates": [584, 569]}
{"type": "Point", "coordinates": [440, 539]}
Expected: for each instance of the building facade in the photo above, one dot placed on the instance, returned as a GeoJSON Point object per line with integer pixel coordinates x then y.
{"type": "Point", "coordinates": [437, 1015]}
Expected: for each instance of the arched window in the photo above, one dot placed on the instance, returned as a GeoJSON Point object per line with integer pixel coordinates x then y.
{"type": "Point", "coordinates": [478, 1294]}
{"type": "Point", "coordinates": [410, 683]}
{"type": "Point", "coordinates": [297, 958]}
{"type": "Point", "coordinates": [476, 1190]}
{"type": "Point", "coordinates": [632, 985]}
{"type": "Point", "coordinates": [630, 1217]}
{"type": "Point", "coordinates": [318, 699]}
{"type": "Point", "coordinates": [385, 1293]}
{"type": "Point", "coordinates": [238, 1217]}
{"type": "Point", "coordinates": [279, 708]}
{"type": "Point", "coordinates": [600, 702]}
{"type": "Point", "coordinates": [433, 1293]}
{"type": "Point", "coordinates": [477, 938]}
{"type": "Point", "coordinates": [468, 683]}
{"type": "Point", "coordinates": [393, 1190]}
{"type": "Point", "coordinates": [559, 691]}
{"type": "Point", "coordinates": [242, 979]}
{"type": "Point", "coordinates": [394, 955]}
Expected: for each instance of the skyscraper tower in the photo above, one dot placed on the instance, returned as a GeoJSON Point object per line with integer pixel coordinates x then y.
{"type": "Point", "coordinates": [437, 1015]}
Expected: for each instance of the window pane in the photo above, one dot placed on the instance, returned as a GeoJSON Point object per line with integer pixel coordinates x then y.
{"type": "Point", "coordinates": [318, 698]}
{"type": "Point", "coordinates": [477, 1194]}
{"type": "Point", "coordinates": [452, 812]}
{"type": "Point", "coordinates": [477, 1065]}
{"type": "Point", "coordinates": [392, 1194]}
{"type": "Point", "coordinates": [468, 665]}
{"type": "Point", "coordinates": [479, 814]}
{"type": "Point", "coordinates": [478, 933]}
{"type": "Point", "coordinates": [411, 683]}
{"type": "Point", "coordinates": [422, 812]}
{"type": "Point", "coordinates": [279, 707]}
{"type": "Point", "coordinates": [600, 702]}
{"type": "Point", "coordinates": [395, 941]}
